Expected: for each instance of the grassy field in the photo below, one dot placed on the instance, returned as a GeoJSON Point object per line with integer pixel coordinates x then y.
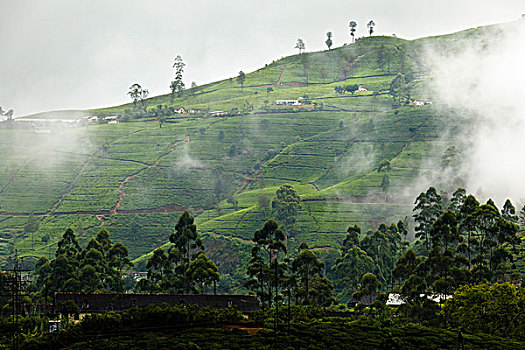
{"type": "Point", "coordinates": [135, 178]}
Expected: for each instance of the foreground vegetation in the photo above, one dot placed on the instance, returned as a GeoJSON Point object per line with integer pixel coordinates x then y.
{"type": "Point", "coordinates": [184, 327]}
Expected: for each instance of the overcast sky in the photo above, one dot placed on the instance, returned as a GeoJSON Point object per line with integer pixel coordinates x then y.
{"type": "Point", "coordinates": [72, 54]}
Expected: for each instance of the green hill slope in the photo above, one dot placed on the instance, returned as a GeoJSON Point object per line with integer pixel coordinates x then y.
{"type": "Point", "coordinates": [136, 177]}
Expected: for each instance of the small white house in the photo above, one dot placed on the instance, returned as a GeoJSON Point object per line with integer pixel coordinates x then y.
{"type": "Point", "coordinates": [180, 110]}
{"type": "Point", "coordinates": [112, 119]}
{"type": "Point", "coordinates": [288, 103]}
{"type": "Point", "coordinates": [217, 113]}
{"type": "Point", "coordinates": [395, 299]}
{"type": "Point", "coordinates": [362, 88]}
{"type": "Point", "coordinates": [422, 102]}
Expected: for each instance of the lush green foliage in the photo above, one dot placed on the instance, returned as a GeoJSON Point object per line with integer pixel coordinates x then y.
{"type": "Point", "coordinates": [188, 328]}
{"type": "Point", "coordinates": [97, 267]}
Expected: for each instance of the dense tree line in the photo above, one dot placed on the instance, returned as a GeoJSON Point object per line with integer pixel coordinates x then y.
{"type": "Point", "coordinates": [97, 267]}
{"type": "Point", "coordinates": [274, 276]}
{"type": "Point", "coordinates": [375, 252]}
{"type": "Point", "coordinates": [461, 248]}
{"type": "Point", "coordinates": [184, 267]}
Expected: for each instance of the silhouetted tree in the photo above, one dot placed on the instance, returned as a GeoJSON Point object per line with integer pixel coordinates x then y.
{"type": "Point", "coordinates": [176, 85]}
{"type": "Point", "coordinates": [352, 26]}
{"type": "Point", "coordinates": [241, 78]}
{"type": "Point", "coordinates": [328, 41]}
{"type": "Point", "coordinates": [428, 209]}
{"type": "Point", "coordinates": [203, 272]}
{"type": "Point", "coordinates": [286, 204]}
{"type": "Point", "coordinates": [300, 45]}
{"type": "Point", "coordinates": [370, 25]}
{"type": "Point", "coordinates": [137, 93]}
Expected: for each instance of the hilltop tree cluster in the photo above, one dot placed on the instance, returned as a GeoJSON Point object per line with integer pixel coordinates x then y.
{"type": "Point", "coordinates": [8, 114]}
{"type": "Point", "coordinates": [177, 85]}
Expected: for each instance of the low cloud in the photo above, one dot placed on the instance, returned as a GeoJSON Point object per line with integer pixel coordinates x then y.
{"type": "Point", "coordinates": [482, 81]}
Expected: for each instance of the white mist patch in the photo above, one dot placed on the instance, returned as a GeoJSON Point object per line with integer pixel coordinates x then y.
{"type": "Point", "coordinates": [484, 81]}
{"type": "Point", "coordinates": [360, 159]}
{"type": "Point", "coordinates": [185, 161]}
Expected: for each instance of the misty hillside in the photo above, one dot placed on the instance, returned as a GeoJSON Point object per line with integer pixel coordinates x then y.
{"type": "Point", "coordinates": [224, 158]}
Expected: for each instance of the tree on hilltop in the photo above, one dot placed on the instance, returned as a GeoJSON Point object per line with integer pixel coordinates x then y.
{"type": "Point", "coordinates": [9, 114]}
{"type": "Point", "coordinates": [241, 78]}
{"type": "Point", "coordinates": [352, 25]}
{"type": "Point", "coordinates": [328, 41]}
{"type": "Point", "coordinates": [300, 45]}
{"type": "Point", "coordinates": [193, 88]}
{"type": "Point", "coordinates": [370, 27]}
{"type": "Point", "coordinates": [137, 93]}
{"type": "Point", "coordinates": [177, 86]}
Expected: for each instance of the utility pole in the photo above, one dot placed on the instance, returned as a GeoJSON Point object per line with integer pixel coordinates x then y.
{"type": "Point", "coordinates": [13, 283]}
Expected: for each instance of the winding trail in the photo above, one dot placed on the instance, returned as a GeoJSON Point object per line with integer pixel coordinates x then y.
{"type": "Point", "coordinates": [122, 194]}
{"type": "Point", "coordinates": [278, 82]}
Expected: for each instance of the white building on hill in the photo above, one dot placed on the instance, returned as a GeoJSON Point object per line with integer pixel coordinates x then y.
{"type": "Point", "coordinates": [288, 103]}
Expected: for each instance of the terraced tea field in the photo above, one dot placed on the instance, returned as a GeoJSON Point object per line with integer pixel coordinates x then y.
{"type": "Point", "coordinates": [136, 177]}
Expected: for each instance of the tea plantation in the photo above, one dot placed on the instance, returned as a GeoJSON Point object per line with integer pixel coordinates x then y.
{"type": "Point", "coordinates": [136, 177]}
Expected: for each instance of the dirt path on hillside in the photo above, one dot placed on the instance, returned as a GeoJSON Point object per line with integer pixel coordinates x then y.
{"type": "Point", "coordinates": [278, 82]}
{"type": "Point", "coordinates": [122, 194]}
{"type": "Point", "coordinates": [129, 178]}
